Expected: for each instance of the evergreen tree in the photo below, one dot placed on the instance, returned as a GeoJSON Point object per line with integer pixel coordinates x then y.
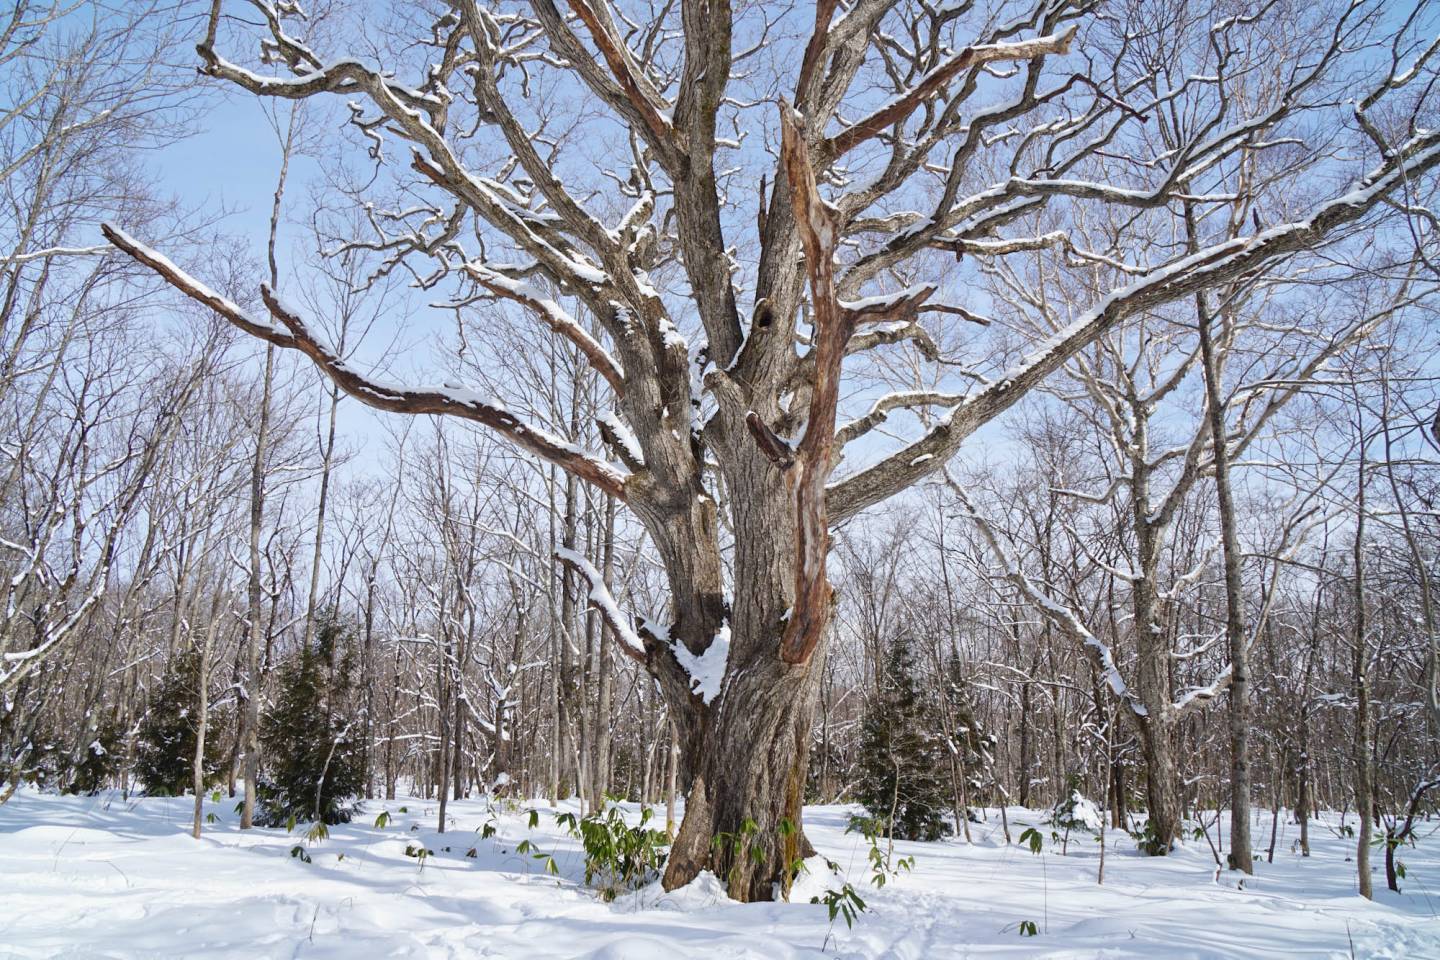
{"type": "Point", "coordinates": [165, 743]}
{"type": "Point", "coordinates": [902, 754]}
{"type": "Point", "coordinates": [99, 759]}
{"type": "Point", "coordinates": [311, 738]}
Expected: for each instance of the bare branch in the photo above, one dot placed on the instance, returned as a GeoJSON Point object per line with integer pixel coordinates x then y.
{"type": "Point", "coordinates": [898, 109]}
{"type": "Point", "coordinates": [442, 400]}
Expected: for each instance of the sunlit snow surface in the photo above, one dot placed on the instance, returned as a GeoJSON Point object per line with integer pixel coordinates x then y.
{"type": "Point", "coordinates": [107, 877]}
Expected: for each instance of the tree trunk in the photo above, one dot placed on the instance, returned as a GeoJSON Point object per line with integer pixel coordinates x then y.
{"type": "Point", "coordinates": [1240, 846]}
{"type": "Point", "coordinates": [1277, 780]}
{"type": "Point", "coordinates": [1304, 777]}
{"type": "Point", "coordinates": [600, 762]}
{"type": "Point", "coordinates": [752, 777]}
{"type": "Point", "coordinates": [1392, 878]}
{"type": "Point", "coordinates": [1153, 667]}
{"type": "Point", "coordinates": [505, 733]}
{"type": "Point", "coordinates": [444, 692]}
{"type": "Point", "coordinates": [1025, 744]}
{"type": "Point", "coordinates": [327, 463]}
{"type": "Point", "coordinates": [1161, 784]}
{"type": "Point", "coordinates": [1302, 801]}
{"type": "Point", "coordinates": [367, 685]}
{"type": "Point", "coordinates": [1117, 790]}
{"type": "Point", "coordinates": [557, 643]}
{"type": "Point", "coordinates": [250, 715]}
{"type": "Point", "coordinates": [202, 707]}
{"type": "Point", "coordinates": [1364, 770]}
{"type": "Point", "coordinates": [672, 769]}
{"type": "Point", "coordinates": [250, 688]}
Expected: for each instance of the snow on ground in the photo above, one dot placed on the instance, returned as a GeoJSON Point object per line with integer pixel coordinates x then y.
{"type": "Point", "coordinates": [107, 877]}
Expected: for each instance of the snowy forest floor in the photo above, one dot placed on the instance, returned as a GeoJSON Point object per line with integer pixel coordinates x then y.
{"type": "Point", "coordinates": [109, 877]}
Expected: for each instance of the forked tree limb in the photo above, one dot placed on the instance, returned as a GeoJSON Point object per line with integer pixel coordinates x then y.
{"type": "Point", "coordinates": [813, 456]}
{"type": "Point", "coordinates": [901, 107]}
{"type": "Point", "coordinates": [880, 411]}
{"type": "Point", "coordinates": [641, 94]}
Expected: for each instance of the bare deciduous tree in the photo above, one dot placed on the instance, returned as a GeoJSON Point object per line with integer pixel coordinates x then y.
{"type": "Point", "coordinates": [982, 135]}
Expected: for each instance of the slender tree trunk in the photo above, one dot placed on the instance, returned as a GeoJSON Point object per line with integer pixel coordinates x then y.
{"type": "Point", "coordinates": [603, 682]}
{"type": "Point", "coordinates": [1102, 705]}
{"type": "Point", "coordinates": [457, 736]}
{"type": "Point", "coordinates": [651, 769]}
{"type": "Point", "coordinates": [1392, 879]}
{"type": "Point", "coordinates": [1059, 774]}
{"type": "Point", "coordinates": [1302, 800]}
{"type": "Point", "coordinates": [1364, 770]}
{"type": "Point", "coordinates": [367, 684]}
{"type": "Point", "coordinates": [585, 718]}
{"type": "Point", "coordinates": [233, 766]}
{"type": "Point", "coordinates": [506, 733]}
{"type": "Point", "coordinates": [327, 461]}
{"type": "Point", "coordinates": [672, 770]}
{"type": "Point", "coordinates": [1240, 846]}
{"type": "Point", "coordinates": [1304, 768]}
{"type": "Point", "coordinates": [442, 715]}
{"type": "Point", "coordinates": [1156, 728]}
{"type": "Point", "coordinates": [250, 686]}
{"type": "Point", "coordinates": [1025, 744]}
{"type": "Point", "coordinates": [557, 651]}
{"type": "Point", "coordinates": [203, 709]}
{"type": "Point", "coordinates": [570, 632]}
{"type": "Point", "coordinates": [250, 714]}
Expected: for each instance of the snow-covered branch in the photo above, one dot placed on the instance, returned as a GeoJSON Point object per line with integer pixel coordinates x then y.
{"type": "Point", "coordinates": [932, 83]}
{"type": "Point", "coordinates": [1057, 613]}
{"type": "Point", "coordinates": [1211, 266]}
{"type": "Point", "coordinates": [448, 400]}
{"type": "Point", "coordinates": [604, 601]}
{"type": "Point", "coordinates": [554, 316]}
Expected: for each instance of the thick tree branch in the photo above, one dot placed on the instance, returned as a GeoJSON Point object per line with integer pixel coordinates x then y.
{"type": "Point", "coordinates": [774, 447]}
{"type": "Point", "coordinates": [395, 398]}
{"type": "Point", "coordinates": [1214, 265]}
{"type": "Point", "coordinates": [834, 324]}
{"type": "Point", "coordinates": [814, 50]}
{"type": "Point", "coordinates": [637, 89]}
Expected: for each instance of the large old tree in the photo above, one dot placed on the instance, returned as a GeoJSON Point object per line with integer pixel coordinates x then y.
{"type": "Point", "coordinates": [720, 205]}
